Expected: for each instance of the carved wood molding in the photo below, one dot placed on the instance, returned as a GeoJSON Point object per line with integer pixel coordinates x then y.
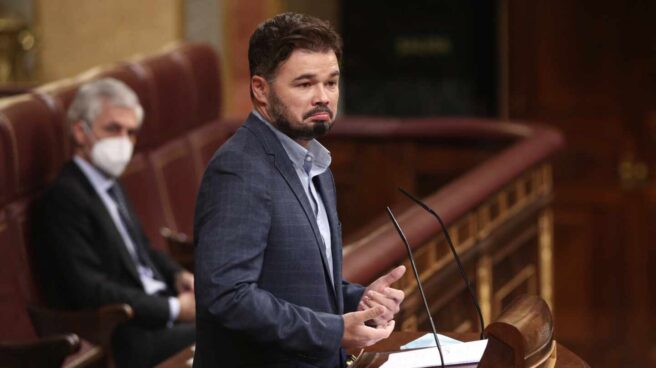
{"type": "Point", "coordinates": [499, 196]}
{"type": "Point", "coordinates": [380, 249]}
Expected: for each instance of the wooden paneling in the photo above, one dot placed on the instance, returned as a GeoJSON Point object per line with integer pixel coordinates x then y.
{"type": "Point", "coordinates": [505, 241]}
{"type": "Point", "coordinates": [587, 67]}
{"type": "Point", "coordinates": [240, 18]}
{"type": "Point", "coordinates": [360, 200]}
{"type": "Point", "coordinates": [501, 254]}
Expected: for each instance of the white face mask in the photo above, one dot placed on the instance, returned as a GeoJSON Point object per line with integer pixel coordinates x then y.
{"type": "Point", "coordinates": [112, 155]}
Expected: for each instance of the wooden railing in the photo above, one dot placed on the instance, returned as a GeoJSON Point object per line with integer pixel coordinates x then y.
{"type": "Point", "coordinates": [496, 208]}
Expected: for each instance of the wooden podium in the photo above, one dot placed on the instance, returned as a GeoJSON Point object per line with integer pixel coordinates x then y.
{"type": "Point", "coordinates": [377, 354]}
{"type": "Point", "coordinates": [522, 337]}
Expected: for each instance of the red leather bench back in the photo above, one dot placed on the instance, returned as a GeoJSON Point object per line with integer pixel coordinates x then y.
{"type": "Point", "coordinates": [179, 90]}
{"type": "Point", "coordinates": [32, 137]}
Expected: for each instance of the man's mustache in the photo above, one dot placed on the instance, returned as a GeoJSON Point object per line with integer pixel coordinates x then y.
{"type": "Point", "coordinates": [316, 110]}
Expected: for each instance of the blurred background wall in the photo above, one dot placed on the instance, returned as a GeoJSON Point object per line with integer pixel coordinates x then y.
{"type": "Point", "coordinates": [587, 67]}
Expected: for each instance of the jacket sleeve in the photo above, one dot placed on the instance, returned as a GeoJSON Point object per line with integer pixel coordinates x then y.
{"type": "Point", "coordinates": [233, 218]}
{"type": "Point", "coordinates": [352, 295]}
{"type": "Point", "coordinates": [69, 239]}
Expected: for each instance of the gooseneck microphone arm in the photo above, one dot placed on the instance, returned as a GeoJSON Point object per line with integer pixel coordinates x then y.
{"type": "Point", "coordinates": [463, 274]}
{"type": "Point", "coordinates": [421, 289]}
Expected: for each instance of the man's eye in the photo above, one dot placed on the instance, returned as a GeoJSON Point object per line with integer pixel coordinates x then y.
{"type": "Point", "coordinates": [305, 85]}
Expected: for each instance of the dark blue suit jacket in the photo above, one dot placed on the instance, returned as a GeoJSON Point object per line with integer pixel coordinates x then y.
{"type": "Point", "coordinates": [263, 292]}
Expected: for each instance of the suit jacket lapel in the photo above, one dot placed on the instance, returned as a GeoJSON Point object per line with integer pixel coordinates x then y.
{"type": "Point", "coordinates": [105, 219]}
{"type": "Point", "coordinates": [326, 188]}
{"type": "Point", "coordinates": [286, 168]}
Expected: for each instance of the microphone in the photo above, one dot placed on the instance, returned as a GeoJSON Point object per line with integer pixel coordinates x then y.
{"type": "Point", "coordinates": [463, 274]}
{"type": "Point", "coordinates": [421, 289]}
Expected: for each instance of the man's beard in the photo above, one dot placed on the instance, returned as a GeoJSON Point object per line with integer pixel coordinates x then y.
{"type": "Point", "coordinates": [280, 116]}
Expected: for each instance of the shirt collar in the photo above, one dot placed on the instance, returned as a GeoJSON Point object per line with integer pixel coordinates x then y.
{"type": "Point", "coordinates": [318, 155]}
{"type": "Point", "coordinates": [99, 181]}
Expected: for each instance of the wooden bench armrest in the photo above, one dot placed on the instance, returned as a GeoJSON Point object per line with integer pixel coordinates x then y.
{"type": "Point", "coordinates": [44, 352]}
{"type": "Point", "coordinates": [180, 246]}
{"type": "Point", "coordinates": [96, 325]}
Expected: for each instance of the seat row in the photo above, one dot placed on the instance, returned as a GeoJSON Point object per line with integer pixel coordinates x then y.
{"type": "Point", "coordinates": [162, 183]}
{"type": "Point", "coordinates": [179, 89]}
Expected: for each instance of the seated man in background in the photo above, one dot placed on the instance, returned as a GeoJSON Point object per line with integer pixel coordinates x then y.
{"type": "Point", "coordinates": [92, 247]}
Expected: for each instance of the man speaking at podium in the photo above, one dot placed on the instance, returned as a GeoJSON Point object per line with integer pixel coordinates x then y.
{"type": "Point", "coordinates": [268, 255]}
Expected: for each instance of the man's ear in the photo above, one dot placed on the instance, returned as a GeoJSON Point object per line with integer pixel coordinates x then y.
{"type": "Point", "coordinates": [78, 131]}
{"type": "Point", "coordinates": [260, 88]}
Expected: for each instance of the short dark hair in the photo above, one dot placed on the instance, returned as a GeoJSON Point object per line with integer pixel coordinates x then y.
{"type": "Point", "coordinates": [274, 41]}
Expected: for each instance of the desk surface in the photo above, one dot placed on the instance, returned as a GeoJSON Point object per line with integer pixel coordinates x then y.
{"type": "Point", "coordinates": [565, 359]}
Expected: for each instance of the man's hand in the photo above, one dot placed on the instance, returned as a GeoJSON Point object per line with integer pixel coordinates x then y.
{"type": "Point", "coordinates": [187, 307]}
{"type": "Point", "coordinates": [379, 293]}
{"type": "Point", "coordinates": [184, 282]}
{"type": "Point", "coordinates": [357, 335]}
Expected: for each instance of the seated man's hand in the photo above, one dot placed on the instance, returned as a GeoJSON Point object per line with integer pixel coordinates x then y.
{"type": "Point", "coordinates": [184, 282]}
{"type": "Point", "coordinates": [379, 293]}
{"type": "Point", "coordinates": [357, 335]}
{"type": "Point", "coordinates": [187, 307]}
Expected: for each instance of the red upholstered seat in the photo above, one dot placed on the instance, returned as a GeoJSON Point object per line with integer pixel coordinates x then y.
{"type": "Point", "coordinates": [177, 182]}
{"type": "Point", "coordinates": [58, 96]}
{"type": "Point", "coordinates": [163, 188]}
{"type": "Point", "coordinates": [19, 221]}
{"type": "Point", "coordinates": [176, 98]}
{"type": "Point", "coordinates": [62, 93]}
{"type": "Point", "coordinates": [7, 158]}
{"type": "Point", "coordinates": [35, 137]}
{"type": "Point", "coordinates": [206, 73]}
{"type": "Point", "coordinates": [14, 319]}
{"type": "Point", "coordinates": [18, 290]}
{"type": "Point", "coordinates": [204, 141]}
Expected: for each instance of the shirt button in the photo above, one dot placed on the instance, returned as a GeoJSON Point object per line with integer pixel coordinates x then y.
{"type": "Point", "coordinates": [308, 158]}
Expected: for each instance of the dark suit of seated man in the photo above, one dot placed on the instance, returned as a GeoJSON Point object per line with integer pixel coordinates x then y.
{"type": "Point", "coordinates": [93, 249]}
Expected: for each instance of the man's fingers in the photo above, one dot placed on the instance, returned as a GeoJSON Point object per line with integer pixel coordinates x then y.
{"type": "Point", "coordinates": [391, 299]}
{"type": "Point", "coordinates": [381, 332]}
{"type": "Point", "coordinates": [368, 314]}
{"type": "Point", "coordinates": [365, 304]}
{"type": "Point", "coordinates": [381, 299]}
{"type": "Point", "coordinates": [382, 319]}
{"type": "Point", "coordinates": [392, 276]}
{"type": "Point", "coordinates": [395, 294]}
{"type": "Point", "coordinates": [389, 327]}
{"type": "Point", "coordinates": [357, 334]}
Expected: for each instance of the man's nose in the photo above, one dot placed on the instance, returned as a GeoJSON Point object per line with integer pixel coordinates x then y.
{"type": "Point", "coordinates": [320, 96]}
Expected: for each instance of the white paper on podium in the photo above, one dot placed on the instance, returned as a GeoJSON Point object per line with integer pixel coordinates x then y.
{"type": "Point", "coordinates": [465, 353]}
{"type": "Point", "coordinates": [428, 341]}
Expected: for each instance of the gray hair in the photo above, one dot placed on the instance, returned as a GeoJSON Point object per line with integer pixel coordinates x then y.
{"type": "Point", "coordinates": [88, 102]}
